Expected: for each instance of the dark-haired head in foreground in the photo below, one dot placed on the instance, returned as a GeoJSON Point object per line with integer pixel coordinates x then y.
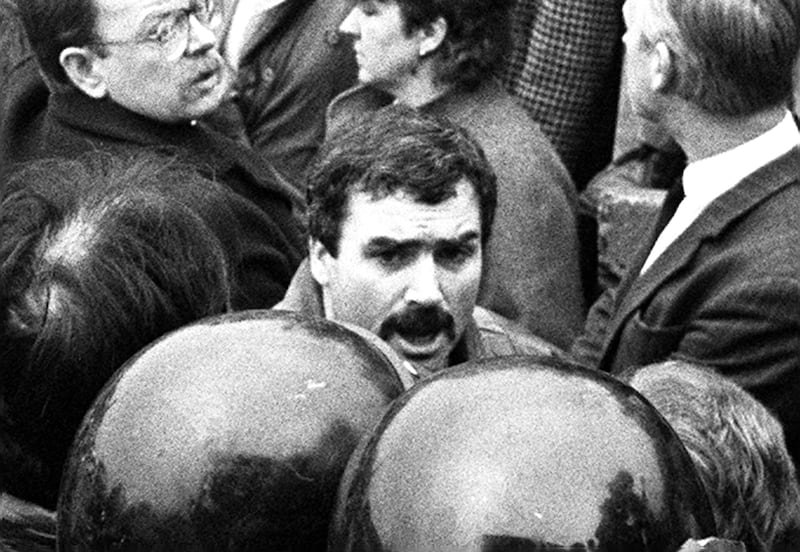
{"type": "Point", "coordinates": [96, 261]}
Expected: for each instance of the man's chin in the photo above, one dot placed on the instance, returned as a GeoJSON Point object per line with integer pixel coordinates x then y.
{"type": "Point", "coordinates": [206, 98]}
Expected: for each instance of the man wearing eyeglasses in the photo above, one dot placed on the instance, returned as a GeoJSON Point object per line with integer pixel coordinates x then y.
{"type": "Point", "coordinates": [127, 75]}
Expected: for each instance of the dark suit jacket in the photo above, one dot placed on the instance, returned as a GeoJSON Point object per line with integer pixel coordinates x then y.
{"type": "Point", "coordinates": [297, 66]}
{"type": "Point", "coordinates": [726, 294]}
{"type": "Point", "coordinates": [264, 238]}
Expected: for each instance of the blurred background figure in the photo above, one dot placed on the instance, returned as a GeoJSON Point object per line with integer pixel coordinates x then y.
{"type": "Point", "coordinates": [229, 434]}
{"type": "Point", "coordinates": [291, 62]}
{"type": "Point", "coordinates": [564, 67]}
{"type": "Point", "coordinates": [738, 449]}
{"type": "Point", "coordinates": [443, 57]}
{"type": "Point", "coordinates": [520, 453]}
{"type": "Point", "coordinates": [96, 261]}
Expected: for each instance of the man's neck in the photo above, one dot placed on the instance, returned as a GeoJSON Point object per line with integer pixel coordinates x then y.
{"type": "Point", "coordinates": [420, 89]}
{"type": "Point", "coordinates": [702, 135]}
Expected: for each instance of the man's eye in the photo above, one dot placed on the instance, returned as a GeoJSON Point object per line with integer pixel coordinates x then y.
{"type": "Point", "coordinates": [454, 255]}
{"type": "Point", "coordinates": [164, 31]}
{"type": "Point", "coordinates": [391, 257]}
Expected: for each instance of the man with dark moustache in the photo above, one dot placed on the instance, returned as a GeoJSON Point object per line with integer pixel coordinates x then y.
{"type": "Point", "coordinates": [124, 76]}
{"type": "Point", "coordinates": [400, 209]}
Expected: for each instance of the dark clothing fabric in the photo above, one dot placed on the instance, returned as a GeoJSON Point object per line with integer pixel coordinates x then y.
{"type": "Point", "coordinates": [14, 46]}
{"type": "Point", "coordinates": [488, 335]}
{"type": "Point", "coordinates": [725, 294]}
{"type": "Point", "coordinates": [565, 69]}
{"type": "Point", "coordinates": [271, 241]}
{"type": "Point", "coordinates": [23, 94]}
{"type": "Point", "coordinates": [297, 65]}
{"type": "Point", "coordinates": [531, 263]}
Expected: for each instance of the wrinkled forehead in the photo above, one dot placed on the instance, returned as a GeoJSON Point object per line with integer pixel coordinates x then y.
{"type": "Point", "coordinates": [402, 215]}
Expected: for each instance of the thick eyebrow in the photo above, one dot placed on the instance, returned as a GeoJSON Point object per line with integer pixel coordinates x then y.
{"type": "Point", "coordinates": [384, 242]}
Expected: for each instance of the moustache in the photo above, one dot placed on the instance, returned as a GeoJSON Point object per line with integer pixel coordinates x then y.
{"type": "Point", "coordinates": [419, 322]}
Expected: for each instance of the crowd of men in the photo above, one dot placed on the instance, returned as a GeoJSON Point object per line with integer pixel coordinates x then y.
{"type": "Point", "coordinates": [365, 162]}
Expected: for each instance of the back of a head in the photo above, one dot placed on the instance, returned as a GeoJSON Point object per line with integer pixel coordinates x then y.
{"type": "Point", "coordinates": [520, 453]}
{"type": "Point", "coordinates": [96, 261]}
{"type": "Point", "coordinates": [396, 149]}
{"type": "Point", "coordinates": [738, 448]}
{"type": "Point", "coordinates": [477, 40]}
{"type": "Point", "coordinates": [53, 25]}
{"type": "Point", "coordinates": [228, 434]}
{"type": "Point", "coordinates": [733, 58]}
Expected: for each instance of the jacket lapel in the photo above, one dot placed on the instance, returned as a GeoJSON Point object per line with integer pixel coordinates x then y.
{"type": "Point", "coordinates": [729, 207]}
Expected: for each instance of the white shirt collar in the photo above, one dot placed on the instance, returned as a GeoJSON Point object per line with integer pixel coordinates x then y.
{"type": "Point", "coordinates": [709, 178]}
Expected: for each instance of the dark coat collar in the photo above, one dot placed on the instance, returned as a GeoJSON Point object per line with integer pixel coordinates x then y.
{"type": "Point", "coordinates": [113, 123]}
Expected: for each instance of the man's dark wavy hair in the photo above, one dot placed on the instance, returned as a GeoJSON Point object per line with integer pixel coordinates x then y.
{"type": "Point", "coordinates": [396, 149]}
{"type": "Point", "coordinates": [96, 261]}
{"type": "Point", "coordinates": [477, 40]}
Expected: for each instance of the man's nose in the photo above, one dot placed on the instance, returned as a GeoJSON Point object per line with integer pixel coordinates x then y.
{"type": "Point", "coordinates": [201, 37]}
{"type": "Point", "coordinates": [424, 287]}
{"type": "Point", "coordinates": [350, 24]}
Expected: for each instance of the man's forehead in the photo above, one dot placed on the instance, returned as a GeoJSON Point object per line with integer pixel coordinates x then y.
{"type": "Point", "coordinates": [134, 11]}
{"type": "Point", "coordinates": [358, 195]}
{"type": "Point", "coordinates": [400, 217]}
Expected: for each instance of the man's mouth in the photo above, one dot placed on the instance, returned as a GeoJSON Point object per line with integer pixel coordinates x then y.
{"type": "Point", "coordinates": [419, 347]}
{"type": "Point", "coordinates": [209, 77]}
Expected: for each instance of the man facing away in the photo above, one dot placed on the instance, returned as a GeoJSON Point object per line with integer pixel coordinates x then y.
{"type": "Point", "coordinates": [400, 209]}
{"type": "Point", "coordinates": [126, 76]}
{"type": "Point", "coordinates": [719, 281]}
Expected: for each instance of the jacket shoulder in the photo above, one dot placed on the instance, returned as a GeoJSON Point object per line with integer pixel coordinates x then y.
{"type": "Point", "coordinates": [502, 337]}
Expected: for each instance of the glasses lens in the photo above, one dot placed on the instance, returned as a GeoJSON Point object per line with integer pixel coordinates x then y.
{"type": "Point", "coordinates": [176, 39]}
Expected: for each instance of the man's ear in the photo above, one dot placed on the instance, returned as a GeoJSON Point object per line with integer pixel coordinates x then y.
{"type": "Point", "coordinates": [432, 36]}
{"type": "Point", "coordinates": [662, 68]}
{"type": "Point", "coordinates": [82, 68]}
{"type": "Point", "coordinates": [319, 260]}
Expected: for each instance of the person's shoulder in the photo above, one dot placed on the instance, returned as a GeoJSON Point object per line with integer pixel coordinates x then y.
{"type": "Point", "coordinates": [491, 108]}
{"type": "Point", "coordinates": [347, 108]}
{"type": "Point", "coordinates": [501, 336]}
